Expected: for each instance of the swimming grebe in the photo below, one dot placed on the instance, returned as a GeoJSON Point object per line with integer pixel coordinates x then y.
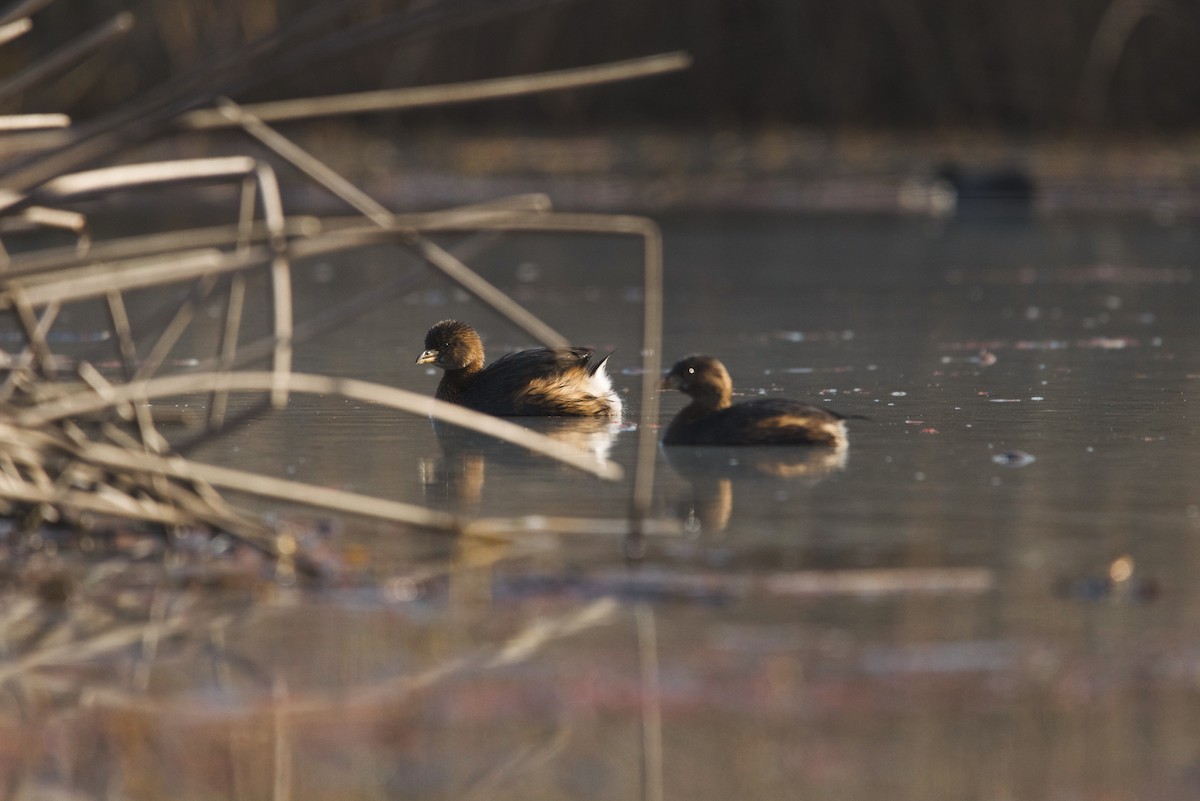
{"type": "Point", "coordinates": [538, 381]}
{"type": "Point", "coordinates": [712, 419]}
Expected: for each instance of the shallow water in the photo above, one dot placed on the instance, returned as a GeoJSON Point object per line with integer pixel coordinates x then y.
{"type": "Point", "coordinates": [989, 595]}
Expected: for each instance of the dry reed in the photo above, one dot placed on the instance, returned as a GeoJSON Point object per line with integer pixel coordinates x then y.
{"type": "Point", "coordinates": [84, 448]}
{"type": "Point", "coordinates": [39, 404]}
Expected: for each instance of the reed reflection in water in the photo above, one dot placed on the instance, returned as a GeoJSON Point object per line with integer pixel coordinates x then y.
{"type": "Point", "coordinates": [915, 618]}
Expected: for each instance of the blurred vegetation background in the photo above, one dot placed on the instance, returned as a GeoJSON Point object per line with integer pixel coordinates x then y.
{"type": "Point", "coordinates": [1083, 67]}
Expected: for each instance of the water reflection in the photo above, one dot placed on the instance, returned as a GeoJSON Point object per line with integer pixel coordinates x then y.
{"type": "Point", "coordinates": [456, 478]}
{"type": "Point", "coordinates": [939, 617]}
{"type": "Point", "coordinates": [714, 472]}
{"type": "Point", "coordinates": [310, 700]}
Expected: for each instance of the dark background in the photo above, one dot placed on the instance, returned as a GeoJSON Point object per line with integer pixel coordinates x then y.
{"type": "Point", "coordinates": [1082, 67]}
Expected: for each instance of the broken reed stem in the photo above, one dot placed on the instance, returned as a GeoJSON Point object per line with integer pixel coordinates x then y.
{"type": "Point", "coordinates": [434, 254]}
{"type": "Point", "coordinates": [1113, 32]}
{"type": "Point", "coordinates": [240, 167]}
{"type": "Point", "coordinates": [281, 281]}
{"type": "Point", "coordinates": [652, 303]}
{"type": "Point", "coordinates": [96, 280]}
{"type": "Point", "coordinates": [282, 48]}
{"type": "Point", "coordinates": [32, 218]}
{"type": "Point", "coordinates": [513, 527]}
{"type": "Point", "coordinates": [331, 317]}
{"type": "Point", "coordinates": [8, 32]}
{"type": "Point", "coordinates": [32, 122]}
{"type": "Point", "coordinates": [126, 347]}
{"type": "Point", "coordinates": [146, 175]}
{"type": "Point", "coordinates": [159, 604]}
{"type": "Point", "coordinates": [205, 239]}
{"type": "Point", "coordinates": [108, 279]}
{"type": "Point", "coordinates": [246, 214]}
{"type": "Point", "coordinates": [185, 312]}
{"type": "Point", "coordinates": [281, 290]}
{"type": "Point", "coordinates": [311, 166]}
{"type": "Point", "coordinates": [87, 403]}
{"type": "Point", "coordinates": [267, 487]}
{"type": "Point", "coordinates": [176, 506]}
{"type": "Point", "coordinates": [651, 236]}
{"type": "Point", "coordinates": [652, 745]}
{"type": "Point", "coordinates": [424, 96]}
{"type": "Point", "coordinates": [68, 56]}
{"type": "Point", "coordinates": [142, 247]}
{"type": "Point", "coordinates": [248, 353]}
{"type": "Point", "coordinates": [485, 291]}
{"type": "Point", "coordinates": [282, 741]}
{"type": "Point", "coordinates": [234, 308]}
{"type": "Point", "coordinates": [111, 504]}
{"type": "Point", "coordinates": [23, 8]}
{"type": "Point", "coordinates": [36, 347]}
{"type": "Point", "coordinates": [204, 263]}
{"type": "Point", "coordinates": [45, 284]}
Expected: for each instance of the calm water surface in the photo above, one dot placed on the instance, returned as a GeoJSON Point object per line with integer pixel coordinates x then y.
{"type": "Point", "coordinates": [989, 595]}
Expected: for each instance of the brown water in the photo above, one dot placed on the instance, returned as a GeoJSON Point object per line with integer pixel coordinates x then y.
{"type": "Point", "coordinates": [990, 596]}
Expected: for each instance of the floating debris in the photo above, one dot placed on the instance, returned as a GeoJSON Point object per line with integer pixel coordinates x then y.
{"type": "Point", "coordinates": [1117, 583]}
{"type": "Point", "coordinates": [942, 657]}
{"type": "Point", "coordinates": [709, 587]}
{"type": "Point", "coordinates": [811, 336]}
{"type": "Point", "coordinates": [1091, 274]}
{"type": "Point", "coordinates": [1014, 458]}
{"type": "Point", "coordinates": [882, 581]}
{"type": "Point", "coordinates": [1108, 343]}
{"type": "Point", "coordinates": [1091, 343]}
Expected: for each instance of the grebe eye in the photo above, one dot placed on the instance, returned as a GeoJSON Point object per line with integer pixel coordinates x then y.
{"type": "Point", "coordinates": [691, 370]}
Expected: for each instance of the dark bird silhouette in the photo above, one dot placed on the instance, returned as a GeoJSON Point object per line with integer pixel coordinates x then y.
{"type": "Point", "coordinates": [569, 382]}
{"type": "Point", "coordinates": [999, 189]}
{"type": "Point", "coordinates": [713, 419]}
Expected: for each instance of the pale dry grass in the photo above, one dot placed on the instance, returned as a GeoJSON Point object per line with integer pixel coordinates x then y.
{"type": "Point", "coordinates": [83, 449]}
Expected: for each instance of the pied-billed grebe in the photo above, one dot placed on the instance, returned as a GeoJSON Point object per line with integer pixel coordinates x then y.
{"type": "Point", "coordinates": [535, 382]}
{"type": "Point", "coordinates": [712, 419]}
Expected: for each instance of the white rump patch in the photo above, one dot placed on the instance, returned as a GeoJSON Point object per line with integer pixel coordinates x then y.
{"type": "Point", "coordinates": [600, 385]}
